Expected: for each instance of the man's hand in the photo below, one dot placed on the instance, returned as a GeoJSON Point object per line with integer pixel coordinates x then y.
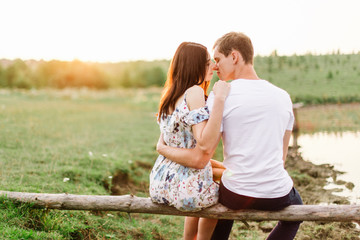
{"type": "Point", "coordinates": [218, 169]}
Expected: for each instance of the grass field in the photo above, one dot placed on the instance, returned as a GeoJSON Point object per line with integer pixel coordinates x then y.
{"type": "Point", "coordinates": [79, 142]}
{"type": "Point", "coordinates": [314, 79]}
{"type": "Point", "coordinates": [76, 142]}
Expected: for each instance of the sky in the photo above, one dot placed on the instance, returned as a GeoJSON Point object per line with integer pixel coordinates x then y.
{"type": "Point", "coordinates": [119, 30]}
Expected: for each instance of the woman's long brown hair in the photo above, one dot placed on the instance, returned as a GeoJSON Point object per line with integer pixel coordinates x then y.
{"type": "Point", "coordinates": [188, 67]}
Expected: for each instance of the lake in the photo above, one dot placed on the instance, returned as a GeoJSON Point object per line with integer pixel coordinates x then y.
{"type": "Point", "coordinates": [342, 150]}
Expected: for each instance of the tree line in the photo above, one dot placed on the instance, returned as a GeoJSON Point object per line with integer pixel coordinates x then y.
{"type": "Point", "coordinates": [330, 78]}
{"type": "Point", "coordinates": [75, 74]}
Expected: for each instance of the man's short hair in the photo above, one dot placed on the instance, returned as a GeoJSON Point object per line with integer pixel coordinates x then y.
{"type": "Point", "coordinates": [236, 41]}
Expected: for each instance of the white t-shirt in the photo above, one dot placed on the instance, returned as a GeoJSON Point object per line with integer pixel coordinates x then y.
{"type": "Point", "coordinates": [256, 116]}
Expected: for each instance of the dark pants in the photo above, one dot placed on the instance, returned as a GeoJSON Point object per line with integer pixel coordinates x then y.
{"type": "Point", "coordinates": [284, 229]}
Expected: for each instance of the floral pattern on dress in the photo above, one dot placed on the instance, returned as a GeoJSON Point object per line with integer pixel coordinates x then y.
{"type": "Point", "coordinates": [187, 189]}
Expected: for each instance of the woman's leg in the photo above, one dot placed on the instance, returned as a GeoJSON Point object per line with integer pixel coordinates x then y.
{"type": "Point", "coordinates": [190, 228]}
{"type": "Point", "coordinates": [206, 228]}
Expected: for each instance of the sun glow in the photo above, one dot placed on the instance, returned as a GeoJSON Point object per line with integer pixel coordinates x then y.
{"type": "Point", "coordinates": [116, 30]}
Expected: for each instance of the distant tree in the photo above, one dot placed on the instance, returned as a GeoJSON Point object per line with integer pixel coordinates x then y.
{"type": "Point", "coordinates": [2, 77]}
{"type": "Point", "coordinates": [274, 53]}
{"type": "Point", "coordinates": [17, 75]}
{"type": "Point", "coordinates": [125, 80]}
{"type": "Point", "coordinates": [306, 67]}
{"type": "Point", "coordinates": [330, 75]}
{"type": "Point", "coordinates": [281, 61]}
{"type": "Point", "coordinates": [155, 77]}
{"type": "Point", "coordinates": [290, 62]}
{"type": "Point", "coordinates": [60, 74]}
{"type": "Point", "coordinates": [270, 64]}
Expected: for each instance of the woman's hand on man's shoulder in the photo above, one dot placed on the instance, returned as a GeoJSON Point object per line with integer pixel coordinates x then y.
{"type": "Point", "coordinates": [221, 89]}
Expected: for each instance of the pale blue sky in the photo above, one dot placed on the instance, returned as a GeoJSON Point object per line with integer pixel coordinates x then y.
{"type": "Point", "coordinates": [115, 30]}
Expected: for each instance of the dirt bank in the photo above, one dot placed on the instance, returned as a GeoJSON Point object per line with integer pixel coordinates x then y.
{"type": "Point", "coordinates": [309, 179]}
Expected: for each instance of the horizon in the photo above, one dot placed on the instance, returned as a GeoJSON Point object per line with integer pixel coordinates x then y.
{"type": "Point", "coordinates": [337, 52]}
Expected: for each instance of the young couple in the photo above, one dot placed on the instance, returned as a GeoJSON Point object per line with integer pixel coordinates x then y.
{"type": "Point", "coordinates": [254, 119]}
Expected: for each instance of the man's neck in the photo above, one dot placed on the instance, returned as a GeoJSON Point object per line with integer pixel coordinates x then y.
{"type": "Point", "coordinates": [247, 72]}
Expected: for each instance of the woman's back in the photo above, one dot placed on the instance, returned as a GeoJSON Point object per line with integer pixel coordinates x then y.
{"type": "Point", "coordinates": [176, 127]}
{"type": "Point", "coordinates": [187, 189]}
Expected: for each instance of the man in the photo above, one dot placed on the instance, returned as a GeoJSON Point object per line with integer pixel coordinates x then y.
{"type": "Point", "coordinates": [256, 129]}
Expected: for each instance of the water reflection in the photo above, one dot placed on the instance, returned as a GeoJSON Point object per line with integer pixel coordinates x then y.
{"type": "Point", "coordinates": [341, 150]}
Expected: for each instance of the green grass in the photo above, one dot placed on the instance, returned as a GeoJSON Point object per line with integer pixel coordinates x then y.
{"type": "Point", "coordinates": [21, 221]}
{"type": "Point", "coordinates": [45, 139]}
{"type": "Point", "coordinates": [85, 136]}
{"type": "Point", "coordinates": [314, 79]}
{"type": "Point", "coordinates": [48, 136]}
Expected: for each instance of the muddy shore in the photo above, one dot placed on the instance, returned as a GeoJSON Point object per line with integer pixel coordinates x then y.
{"type": "Point", "coordinates": [309, 179]}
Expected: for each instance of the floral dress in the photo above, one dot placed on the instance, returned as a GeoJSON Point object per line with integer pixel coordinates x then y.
{"type": "Point", "coordinates": [187, 189]}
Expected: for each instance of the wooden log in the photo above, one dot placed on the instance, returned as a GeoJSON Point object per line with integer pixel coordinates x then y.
{"type": "Point", "coordinates": [133, 204]}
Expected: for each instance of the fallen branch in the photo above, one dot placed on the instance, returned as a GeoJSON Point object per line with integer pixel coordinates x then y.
{"type": "Point", "coordinates": [133, 204]}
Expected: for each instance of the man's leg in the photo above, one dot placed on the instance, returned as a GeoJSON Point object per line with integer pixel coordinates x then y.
{"type": "Point", "coordinates": [286, 230]}
{"type": "Point", "coordinates": [223, 226]}
{"type": "Point", "coordinates": [222, 229]}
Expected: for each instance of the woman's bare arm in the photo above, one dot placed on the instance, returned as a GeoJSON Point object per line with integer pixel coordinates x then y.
{"type": "Point", "coordinates": [207, 133]}
{"type": "Point", "coordinates": [194, 158]}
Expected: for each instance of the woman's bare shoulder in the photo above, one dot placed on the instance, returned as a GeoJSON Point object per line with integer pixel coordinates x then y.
{"type": "Point", "coordinates": [195, 90]}
{"type": "Point", "coordinates": [195, 97]}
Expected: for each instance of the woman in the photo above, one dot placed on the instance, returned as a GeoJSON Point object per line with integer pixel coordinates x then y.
{"type": "Point", "coordinates": [185, 123]}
